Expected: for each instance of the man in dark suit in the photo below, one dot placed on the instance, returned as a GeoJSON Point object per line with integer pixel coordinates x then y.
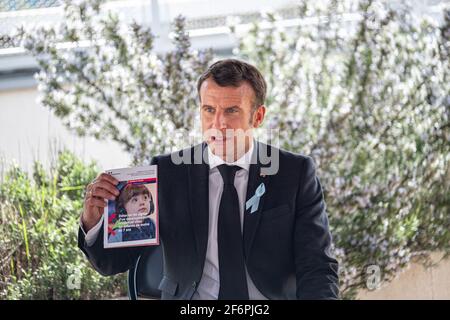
{"type": "Point", "coordinates": [239, 219]}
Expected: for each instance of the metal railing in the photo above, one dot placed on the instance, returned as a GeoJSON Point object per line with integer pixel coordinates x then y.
{"type": "Point", "coordinates": [15, 5]}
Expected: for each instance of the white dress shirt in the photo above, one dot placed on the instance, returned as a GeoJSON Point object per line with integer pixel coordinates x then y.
{"type": "Point", "coordinates": [209, 285]}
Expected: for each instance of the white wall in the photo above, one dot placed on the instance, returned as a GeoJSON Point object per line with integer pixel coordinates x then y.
{"type": "Point", "coordinates": [416, 282]}
{"type": "Point", "coordinates": [28, 131]}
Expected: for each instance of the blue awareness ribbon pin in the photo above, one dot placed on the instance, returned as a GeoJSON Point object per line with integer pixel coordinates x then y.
{"type": "Point", "coordinates": [254, 201]}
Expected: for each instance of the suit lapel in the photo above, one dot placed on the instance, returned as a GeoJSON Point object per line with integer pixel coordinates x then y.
{"type": "Point", "coordinates": [199, 201]}
{"type": "Point", "coordinates": [198, 175]}
{"type": "Point", "coordinates": [251, 220]}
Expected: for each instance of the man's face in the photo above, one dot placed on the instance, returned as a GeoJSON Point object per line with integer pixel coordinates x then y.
{"type": "Point", "coordinates": [139, 204]}
{"type": "Point", "coordinates": [228, 118]}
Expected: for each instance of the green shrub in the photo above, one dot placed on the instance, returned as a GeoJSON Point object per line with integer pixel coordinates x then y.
{"type": "Point", "coordinates": [368, 99]}
{"type": "Point", "coordinates": [38, 235]}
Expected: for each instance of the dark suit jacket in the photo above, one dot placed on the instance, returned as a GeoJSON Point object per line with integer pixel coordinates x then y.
{"type": "Point", "coordinates": [286, 241]}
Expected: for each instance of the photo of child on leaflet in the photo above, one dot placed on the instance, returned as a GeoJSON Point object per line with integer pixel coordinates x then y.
{"type": "Point", "coordinates": [131, 215]}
